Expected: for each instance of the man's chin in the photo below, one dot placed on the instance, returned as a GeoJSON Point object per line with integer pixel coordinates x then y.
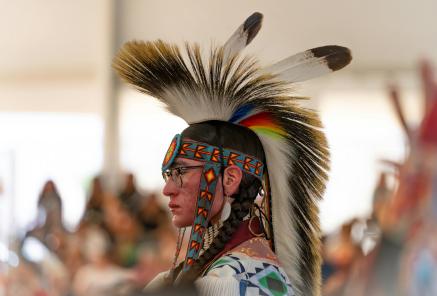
{"type": "Point", "coordinates": [179, 223]}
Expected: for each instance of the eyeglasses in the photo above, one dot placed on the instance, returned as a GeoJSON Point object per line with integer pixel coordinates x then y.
{"type": "Point", "coordinates": [176, 173]}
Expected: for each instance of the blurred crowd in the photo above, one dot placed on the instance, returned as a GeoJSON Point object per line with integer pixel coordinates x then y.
{"type": "Point", "coordinates": [122, 241]}
{"type": "Point", "coordinates": [394, 250]}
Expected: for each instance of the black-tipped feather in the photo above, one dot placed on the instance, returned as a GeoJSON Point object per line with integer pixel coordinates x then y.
{"type": "Point", "coordinates": [243, 35]}
{"type": "Point", "coordinates": [252, 25]}
{"type": "Point", "coordinates": [337, 57]}
{"type": "Point", "coordinates": [311, 63]}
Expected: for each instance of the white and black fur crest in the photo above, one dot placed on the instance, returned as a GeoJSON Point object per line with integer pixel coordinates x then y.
{"type": "Point", "coordinates": [198, 90]}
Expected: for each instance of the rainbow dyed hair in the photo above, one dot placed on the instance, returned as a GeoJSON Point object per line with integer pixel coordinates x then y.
{"type": "Point", "coordinates": [227, 86]}
{"type": "Point", "coordinates": [261, 123]}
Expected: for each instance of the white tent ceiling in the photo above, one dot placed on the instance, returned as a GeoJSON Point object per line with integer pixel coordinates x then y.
{"type": "Point", "coordinates": [390, 34]}
{"type": "Point", "coordinates": [49, 36]}
{"type": "Point", "coordinates": [67, 44]}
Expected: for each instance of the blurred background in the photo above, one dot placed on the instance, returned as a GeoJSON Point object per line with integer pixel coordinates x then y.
{"type": "Point", "coordinates": [81, 209]}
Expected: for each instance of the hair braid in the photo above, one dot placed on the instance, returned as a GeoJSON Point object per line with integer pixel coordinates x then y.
{"type": "Point", "coordinates": [240, 208]}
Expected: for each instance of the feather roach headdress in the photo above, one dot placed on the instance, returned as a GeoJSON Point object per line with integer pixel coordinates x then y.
{"type": "Point", "coordinates": [227, 86]}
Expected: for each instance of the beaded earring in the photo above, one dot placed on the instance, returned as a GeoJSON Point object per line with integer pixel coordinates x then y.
{"type": "Point", "coordinates": [226, 210]}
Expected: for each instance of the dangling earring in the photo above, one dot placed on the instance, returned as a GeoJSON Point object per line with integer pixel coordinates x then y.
{"type": "Point", "coordinates": [261, 191]}
{"type": "Point", "coordinates": [226, 210]}
{"type": "Point", "coordinates": [181, 234]}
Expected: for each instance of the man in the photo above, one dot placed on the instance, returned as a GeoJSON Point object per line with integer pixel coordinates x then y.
{"type": "Point", "coordinates": [247, 173]}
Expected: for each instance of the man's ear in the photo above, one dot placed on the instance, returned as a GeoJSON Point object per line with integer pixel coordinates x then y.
{"type": "Point", "coordinates": [231, 179]}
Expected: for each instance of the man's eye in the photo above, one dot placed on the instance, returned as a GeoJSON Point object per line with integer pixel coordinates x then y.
{"type": "Point", "coordinates": [180, 171]}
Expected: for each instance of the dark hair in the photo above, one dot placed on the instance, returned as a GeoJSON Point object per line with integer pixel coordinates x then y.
{"type": "Point", "coordinates": [227, 135]}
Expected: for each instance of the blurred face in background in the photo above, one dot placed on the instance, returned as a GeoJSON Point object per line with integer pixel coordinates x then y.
{"type": "Point", "coordinates": [119, 221]}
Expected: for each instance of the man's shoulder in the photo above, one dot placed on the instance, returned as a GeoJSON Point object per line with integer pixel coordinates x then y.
{"type": "Point", "coordinates": [256, 248]}
{"type": "Point", "coordinates": [252, 266]}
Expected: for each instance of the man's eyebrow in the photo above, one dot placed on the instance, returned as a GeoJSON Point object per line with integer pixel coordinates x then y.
{"type": "Point", "coordinates": [178, 162]}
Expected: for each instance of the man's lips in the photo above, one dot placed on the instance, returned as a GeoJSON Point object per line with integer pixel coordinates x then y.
{"type": "Point", "coordinates": [173, 207]}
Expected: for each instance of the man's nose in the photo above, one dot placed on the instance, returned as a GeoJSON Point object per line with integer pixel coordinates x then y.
{"type": "Point", "coordinates": [170, 188]}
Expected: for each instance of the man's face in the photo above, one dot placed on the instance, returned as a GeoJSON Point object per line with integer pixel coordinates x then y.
{"type": "Point", "coordinates": [183, 199]}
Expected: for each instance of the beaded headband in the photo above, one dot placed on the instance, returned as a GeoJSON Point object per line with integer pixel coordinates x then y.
{"type": "Point", "coordinates": [206, 152]}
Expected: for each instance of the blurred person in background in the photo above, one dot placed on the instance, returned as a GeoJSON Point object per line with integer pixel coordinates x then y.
{"type": "Point", "coordinates": [341, 251]}
{"type": "Point", "coordinates": [155, 255]}
{"type": "Point", "coordinates": [419, 263]}
{"type": "Point", "coordinates": [44, 248]}
{"type": "Point", "coordinates": [129, 196]}
{"type": "Point", "coordinates": [50, 207]}
{"type": "Point", "coordinates": [93, 213]}
{"type": "Point", "coordinates": [23, 280]}
{"type": "Point", "coordinates": [152, 214]}
{"type": "Point", "coordinates": [73, 257]}
{"type": "Point", "coordinates": [40, 269]}
{"type": "Point", "coordinates": [100, 276]}
{"type": "Point", "coordinates": [404, 259]}
{"type": "Point", "coordinates": [49, 227]}
{"type": "Point", "coordinates": [382, 195]}
{"type": "Point", "coordinates": [419, 259]}
{"type": "Point", "coordinates": [246, 136]}
{"type": "Point", "coordinates": [124, 232]}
